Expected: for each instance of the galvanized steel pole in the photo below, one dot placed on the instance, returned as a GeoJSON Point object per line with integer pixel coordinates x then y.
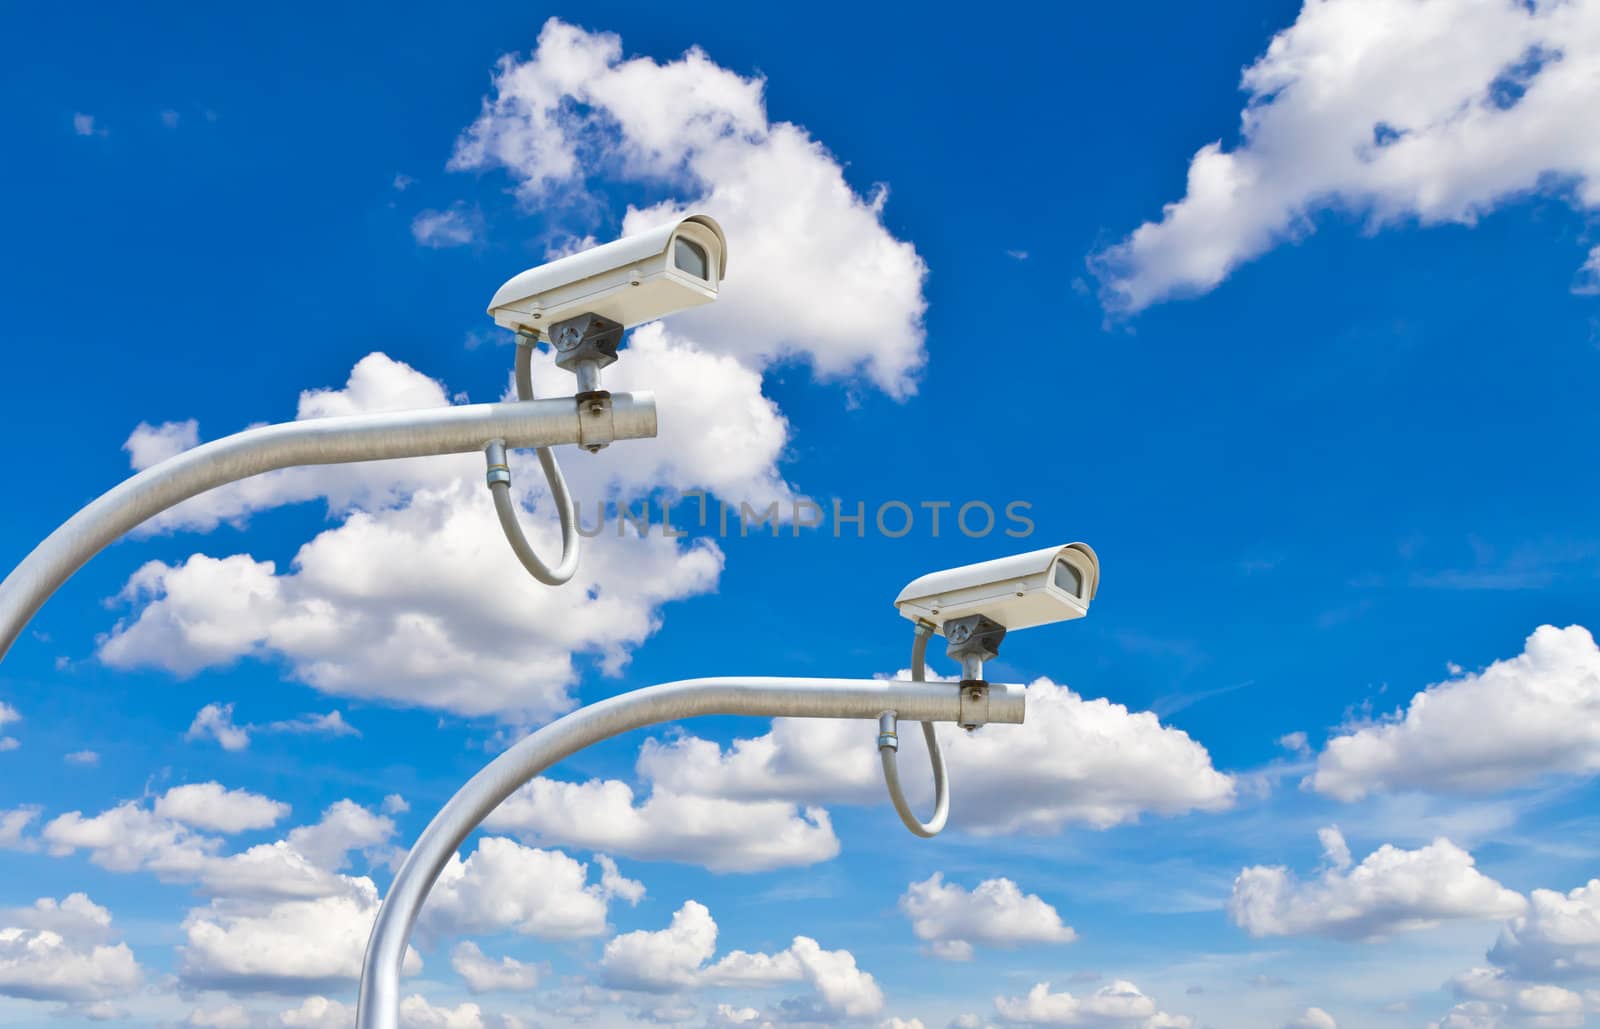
{"type": "Point", "coordinates": [368, 437]}
{"type": "Point", "coordinates": [459, 430]}
{"type": "Point", "coordinates": [379, 1004]}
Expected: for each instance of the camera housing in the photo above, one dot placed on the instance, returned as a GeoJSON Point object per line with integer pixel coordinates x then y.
{"type": "Point", "coordinates": [1055, 584]}
{"type": "Point", "coordinates": [632, 280]}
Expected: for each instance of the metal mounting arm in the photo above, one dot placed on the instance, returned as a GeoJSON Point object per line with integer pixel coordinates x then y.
{"type": "Point", "coordinates": [379, 1004]}
{"type": "Point", "coordinates": [367, 437]}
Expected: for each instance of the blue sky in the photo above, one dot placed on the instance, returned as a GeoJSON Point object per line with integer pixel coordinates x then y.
{"type": "Point", "coordinates": [1290, 313]}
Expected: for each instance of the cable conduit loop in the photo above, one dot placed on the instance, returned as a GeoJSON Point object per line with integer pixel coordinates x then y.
{"type": "Point", "coordinates": [499, 479]}
{"type": "Point", "coordinates": [888, 745]}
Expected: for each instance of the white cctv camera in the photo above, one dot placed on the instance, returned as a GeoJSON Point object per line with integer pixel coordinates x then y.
{"type": "Point", "coordinates": [630, 281]}
{"type": "Point", "coordinates": [1017, 592]}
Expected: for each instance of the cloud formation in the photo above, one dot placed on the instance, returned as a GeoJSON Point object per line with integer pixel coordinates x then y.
{"type": "Point", "coordinates": [1544, 705]}
{"type": "Point", "coordinates": [287, 947]}
{"type": "Point", "coordinates": [133, 837]}
{"type": "Point", "coordinates": [995, 913]}
{"type": "Point", "coordinates": [722, 835]}
{"type": "Point", "coordinates": [416, 571]}
{"type": "Point", "coordinates": [453, 227]}
{"type": "Point", "coordinates": [1390, 891]}
{"type": "Point", "coordinates": [676, 958]}
{"type": "Point", "coordinates": [1119, 1005]}
{"type": "Point", "coordinates": [1074, 761]}
{"type": "Point", "coordinates": [484, 974]}
{"type": "Point", "coordinates": [1558, 937]}
{"type": "Point", "coordinates": [215, 721]}
{"type": "Point", "coordinates": [8, 714]}
{"type": "Point", "coordinates": [421, 580]}
{"type": "Point", "coordinates": [702, 130]}
{"type": "Point", "coordinates": [1312, 1018]}
{"type": "Point", "coordinates": [210, 805]}
{"type": "Point", "coordinates": [503, 886]}
{"type": "Point", "coordinates": [1497, 999]}
{"type": "Point", "coordinates": [1433, 111]}
{"type": "Point", "coordinates": [55, 951]}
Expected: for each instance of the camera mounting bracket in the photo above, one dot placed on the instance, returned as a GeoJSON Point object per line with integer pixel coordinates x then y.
{"type": "Point", "coordinates": [584, 345]}
{"type": "Point", "coordinates": [975, 636]}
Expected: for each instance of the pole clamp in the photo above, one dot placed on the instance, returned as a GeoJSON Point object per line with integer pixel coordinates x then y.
{"type": "Point", "coordinates": [974, 703]}
{"type": "Point", "coordinates": [596, 425]}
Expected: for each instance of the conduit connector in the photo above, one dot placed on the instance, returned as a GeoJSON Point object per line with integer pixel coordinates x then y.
{"type": "Point", "coordinates": [498, 470]}
{"type": "Point", "coordinates": [887, 736]}
{"type": "Point", "coordinates": [889, 747]}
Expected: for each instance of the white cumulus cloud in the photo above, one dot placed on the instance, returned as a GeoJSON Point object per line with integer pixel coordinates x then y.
{"type": "Point", "coordinates": [318, 1012]}
{"type": "Point", "coordinates": [444, 615]}
{"type": "Point", "coordinates": [1558, 937]}
{"type": "Point", "coordinates": [415, 597]}
{"type": "Point", "coordinates": [1498, 1000]}
{"type": "Point", "coordinates": [722, 835]}
{"type": "Point", "coordinates": [1433, 111]}
{"type": "Point", "coordinates": [484, 974]}
{"type": "Point", "coordinates": [1544, 705]}
{"type": "Point", "coordinates": [1391, 890]}
{"type": "Point", "coordinates": [1074, 761]}
{"type": "Point", "coordinates": [797, 229]}
{"type": "Point", "coordinates": [417, 1013]}
{"type": "Point", "coordinates": [1119, 1005]}
{"type": "Point", "coordinates": [504, 886]}
{"type": "Point", "coordinates": [1312, 1018]}
{"type": "Point", "coordinates": [995, 913]}
{"type": "Point", "coordinates": [663, 959]}
{"type": "Point", "coordinates": [287, 946]}
{"type": "Point", "coordinates": [132, 837]}
{"type": "Point", "coordinates": [227, 1016]}
{"type": "Point", "coordinates": [55, 951]}
{"type": "Point", "coordinates": [73, 917]}
{"type": "Point", "coordinates": [37, 964]}
{"type": "Point", "coordinates": [676, 958]}
{"type": "Point", "coordinates": [210, 805]}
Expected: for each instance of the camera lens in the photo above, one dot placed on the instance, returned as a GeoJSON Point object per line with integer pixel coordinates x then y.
{"type": "Point", "coordinates": [689, 256]}
{"type": "Point", "coordinates": [1067, 578]}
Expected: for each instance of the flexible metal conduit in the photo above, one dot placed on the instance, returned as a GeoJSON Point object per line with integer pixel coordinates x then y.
{"type": "Point", "coordinates": [889, 744]}
{"type": "Point", "coordinates": [367, 437]}
{"type": "Point", "coordinates": [506, 508]}
{"type": "Point", "coordinates": [379, 1004]}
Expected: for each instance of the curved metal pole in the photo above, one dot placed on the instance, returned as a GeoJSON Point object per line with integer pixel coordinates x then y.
{"type": "Point", "coordinates": [379, 1004]}
{"type": "Point", "coordinates": [367, 437]}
